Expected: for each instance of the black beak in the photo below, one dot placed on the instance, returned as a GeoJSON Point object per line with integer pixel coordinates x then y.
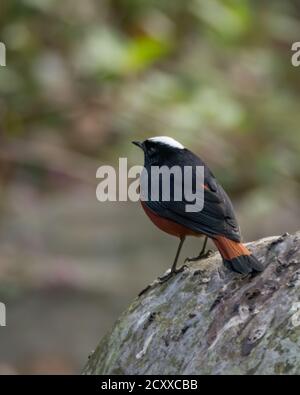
{"type": "Point", "coordinates": [138, 144]}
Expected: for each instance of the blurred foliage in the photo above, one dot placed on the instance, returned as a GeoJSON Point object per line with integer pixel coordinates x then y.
{"type": "Point", "coordinates": [85, 78]}
{"type": "Point", "coordinates": [90, 76]}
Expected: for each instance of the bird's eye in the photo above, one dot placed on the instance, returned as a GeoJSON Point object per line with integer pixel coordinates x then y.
{"type": "Point", "coordinates": [151, 151]}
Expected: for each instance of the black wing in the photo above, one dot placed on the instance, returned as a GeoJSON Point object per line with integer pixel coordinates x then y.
{"type": "Point", "coordinates": [216, 218]}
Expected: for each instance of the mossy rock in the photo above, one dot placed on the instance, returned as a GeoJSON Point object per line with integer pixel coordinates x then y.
{"type": "Point", "coordinates": [207, 320]}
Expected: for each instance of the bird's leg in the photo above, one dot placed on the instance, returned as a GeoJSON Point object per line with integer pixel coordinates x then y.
{"type": "Point", "coordinates": [202, 254]}
{"type": "Point", "coordinates": [173, 268]}
{"type": "Point", "coordinates": [172, 271]}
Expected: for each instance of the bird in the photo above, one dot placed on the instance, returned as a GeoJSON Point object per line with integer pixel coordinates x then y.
{"type": "Point", "coordinates": [216, 221]}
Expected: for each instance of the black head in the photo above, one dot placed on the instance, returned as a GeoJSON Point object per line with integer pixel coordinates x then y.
{"type": "Point", "coordinates": [158, 149]}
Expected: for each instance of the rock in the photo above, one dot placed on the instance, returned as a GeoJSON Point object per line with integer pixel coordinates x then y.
{"type": "Point", "coordinates": [208, 320]}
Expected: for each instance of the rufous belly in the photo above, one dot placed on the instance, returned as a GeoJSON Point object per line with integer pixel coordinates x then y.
{"type": "Point", "coordinates": [169, 226]}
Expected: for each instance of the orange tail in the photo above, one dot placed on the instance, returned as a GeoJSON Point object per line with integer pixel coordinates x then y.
{"type": "Point", "coordinates": [236, 256]}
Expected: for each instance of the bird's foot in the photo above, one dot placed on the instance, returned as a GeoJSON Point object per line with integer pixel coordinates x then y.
{"type": "Point", "coordinates": [171, 273]}
{"type": "Point", "coordinates": [143, 291]}
{"type": "Point", "coordinates": [199, 257]}
{"type": "Point", "coordinates": [163, 279]}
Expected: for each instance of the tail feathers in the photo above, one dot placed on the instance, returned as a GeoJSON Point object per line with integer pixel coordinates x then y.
{"type": "Point", "coordinates": [237, 257]}
{"type": "Point", "coordinates": [244, 264]}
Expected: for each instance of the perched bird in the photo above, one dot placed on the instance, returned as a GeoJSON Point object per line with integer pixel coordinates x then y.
{"type": "Point", "coordinates": [216, 220]}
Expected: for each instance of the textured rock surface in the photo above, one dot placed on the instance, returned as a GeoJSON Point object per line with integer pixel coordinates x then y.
{"type": "Point", "coordinates": [207, 320]}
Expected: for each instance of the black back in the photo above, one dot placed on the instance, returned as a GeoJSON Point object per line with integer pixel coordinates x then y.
{"type": "Point", "coordinates": [217, 216]}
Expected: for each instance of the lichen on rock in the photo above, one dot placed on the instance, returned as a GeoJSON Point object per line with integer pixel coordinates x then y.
{"type": "Point", "coordinates": [208, 320]}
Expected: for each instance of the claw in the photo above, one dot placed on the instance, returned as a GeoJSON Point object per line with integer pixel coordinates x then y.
{"type": "Point", "coordinates": [199, 257]}
{"type": "Point", "coordinates": [143, 291]}
{"type": "Point", "coordinates": [163, 279]}
{"type": "Point", "coordinates": [171, 273]}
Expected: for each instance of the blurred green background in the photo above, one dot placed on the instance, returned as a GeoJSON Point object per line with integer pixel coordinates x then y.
{"type": "Point", "coordinates": [83, 79]}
